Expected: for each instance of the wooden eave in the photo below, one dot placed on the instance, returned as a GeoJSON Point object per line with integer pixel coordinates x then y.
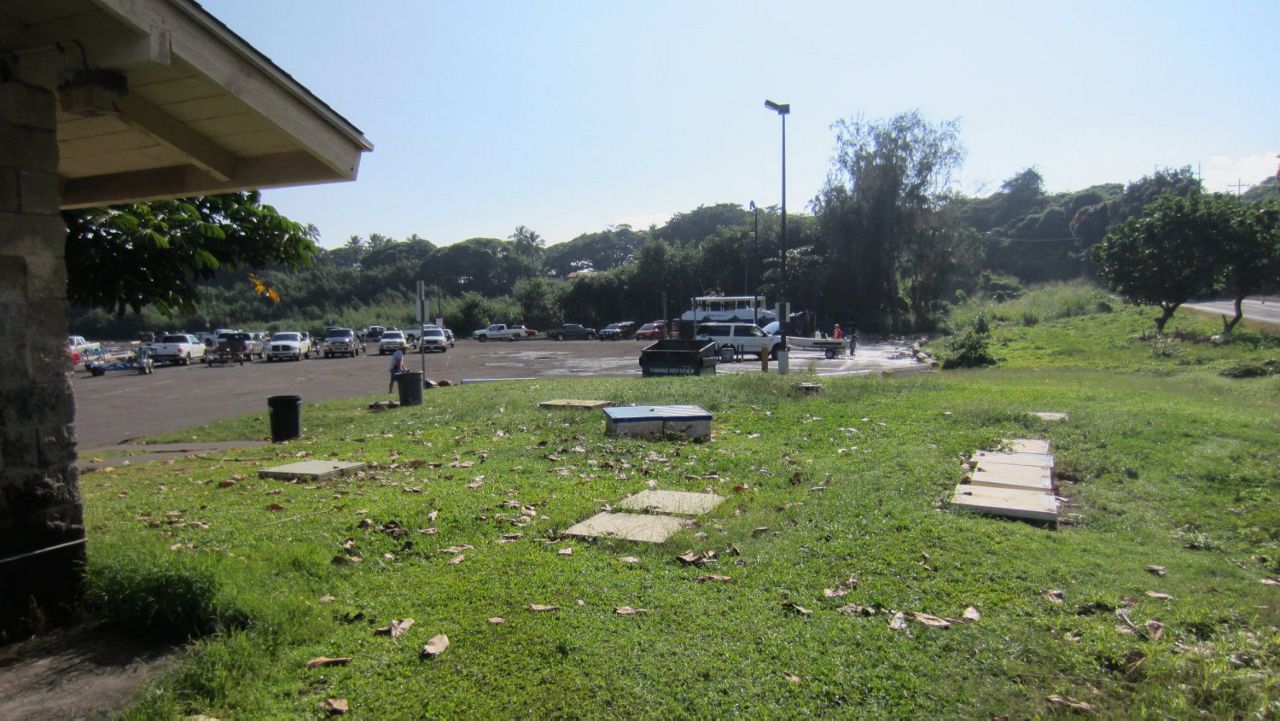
{"type": "Point", "coordinates": [205, 112]}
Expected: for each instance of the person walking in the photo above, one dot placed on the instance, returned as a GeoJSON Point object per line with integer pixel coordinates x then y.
{"type": "Point", "coordinates": [397, 368]}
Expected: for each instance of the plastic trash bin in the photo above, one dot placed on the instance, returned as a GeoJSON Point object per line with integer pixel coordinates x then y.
{"type": "Point", "coordinates": [410, 385]}
{"type": "Point", "coordinates": [286, 417]}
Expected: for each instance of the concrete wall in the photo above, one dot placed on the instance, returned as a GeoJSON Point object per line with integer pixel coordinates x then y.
{"type": "Point", "coordinates": [39, 483]}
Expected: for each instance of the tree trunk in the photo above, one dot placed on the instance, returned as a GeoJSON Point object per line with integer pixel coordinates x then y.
{"type": "Point", "coordinates": [1229, 325]}
{"type": "Point", "coordinates": [1166, 312]}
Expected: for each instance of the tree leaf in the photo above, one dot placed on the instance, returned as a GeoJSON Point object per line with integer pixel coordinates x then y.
{"type": "Point", "coordinates": [435, 646]}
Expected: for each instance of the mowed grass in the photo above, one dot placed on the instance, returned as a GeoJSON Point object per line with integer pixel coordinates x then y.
{"type": "Point", "coordinates": [1171, 465]}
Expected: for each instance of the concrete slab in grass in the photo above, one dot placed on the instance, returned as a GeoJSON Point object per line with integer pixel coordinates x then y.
{"type": "Point", "coordinates": [311, 470]}
{"type": "Point", "coordinates": [1039, 460]}
{"type": "Point", "coordinates": [1001, 475]}
{"type": "Point", "coordinates": [680, 503]}
{"type": "Point", "coordinates": [1006, 502]}
{"type": "Point", "coordinates": [574, 403]}
{"type": "Point", "coordinates": [1025, 445]}
{"type": "Point", "coordinates": [1049, 416]}
{"type": "Point", "coordinates": [643, 527]}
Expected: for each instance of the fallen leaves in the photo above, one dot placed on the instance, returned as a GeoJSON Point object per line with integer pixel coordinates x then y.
{"type": "Point", "coordinates": [712, 578]}
{"type": "Point", "coordinates": [457, 559]}
{"type": "Point", "coordinates": [326, 661]}
{"type": "Point", "coordinates": [568, 551]}
{"type": "Point", "coordinates": [629, 559]}
{"type": "Point", "coordinates": [396, 629]}
{"type": "Point", "coordinates": [1159, 596]}
{"type": "Point", "coordinates": [1270, 582]}
{"type": "Point", "coordinates": [435, 646]}
{"type": "Point", "coordinates": [497, 620]}
{"type": "Point", "coordinates": [327, 599]}
{"type": "Point", "coordinates": [899, 622]}
{"type": "Point", "coordinates": [336, 706]}
{"type": "Point", "coordinates": [930, 620]}
{"type": "Point", "coordinates": [1071, 703]}
{"type": "Point", "coordinates": [1053, 595]}
{"type": "Point", "coordinates": [1157, 570]}
{"type": "Point", "coordinates": [628, 611]}
{"type": "Point", "coordinates": [800, 610]}
{"type": "Point", "coordinates": [540, 608]}
{"type": "Point", "coordinates": [689, 558]}
{"type": "Point", "coordinates": [791, 677]}
{"type": "Point", "coordinates": [275, 507]}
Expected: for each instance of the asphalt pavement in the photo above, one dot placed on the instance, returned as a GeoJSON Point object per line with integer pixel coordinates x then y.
{"type": "Point", "coordinates": [121, 406]}
{"type": "Point", "coordinates": [1262, 309]}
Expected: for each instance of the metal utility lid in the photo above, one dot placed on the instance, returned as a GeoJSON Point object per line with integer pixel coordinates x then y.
{"type": "Point", "coordinates": [631, 414]}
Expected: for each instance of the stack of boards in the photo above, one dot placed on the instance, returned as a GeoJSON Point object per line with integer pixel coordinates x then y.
{"type": "Point", "coordinates": [1017, 482]}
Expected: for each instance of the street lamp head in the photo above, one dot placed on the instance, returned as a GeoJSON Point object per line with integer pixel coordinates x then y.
{"type": "Point", "coordinates": [779, 108]}
{"type": "Point", "coordinates": [752, 205]}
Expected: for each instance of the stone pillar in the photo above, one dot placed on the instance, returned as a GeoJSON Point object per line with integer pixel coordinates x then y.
{"type": "Point", "coordinates": [39, 483]}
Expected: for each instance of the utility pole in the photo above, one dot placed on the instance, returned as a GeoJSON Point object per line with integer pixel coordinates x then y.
{"type": "Point", "coordinates": [1239, 186]}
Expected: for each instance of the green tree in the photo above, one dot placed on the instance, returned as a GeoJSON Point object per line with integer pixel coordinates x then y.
{"type": "Point", "coordinates": [154, 254]}
{"type": "Point", "coordinates": [888, 178]}
{"type": "Point", "coordinates": [1163, 257]}
{"type": "Point", "coordinates": [1248, 250]}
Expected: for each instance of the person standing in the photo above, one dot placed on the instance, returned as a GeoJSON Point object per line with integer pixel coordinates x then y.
{"type": "Point", "coordinates": [836, 333]}
{"type": "Point", "coordinates": [397, 367]}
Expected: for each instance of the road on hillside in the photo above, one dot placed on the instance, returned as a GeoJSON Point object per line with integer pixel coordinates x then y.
{"type": "Point", "coordinates": [1266, 311]}
{"type": "Point", "coordinates": [121, 406]}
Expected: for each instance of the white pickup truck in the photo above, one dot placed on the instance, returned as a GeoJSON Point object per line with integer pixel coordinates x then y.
{"type": "Point", "coordinates": [499, 331]}
{"type": "Point", "coordinates": [80, 345]}
{"type": "Point", "coordinates": [177, 348]}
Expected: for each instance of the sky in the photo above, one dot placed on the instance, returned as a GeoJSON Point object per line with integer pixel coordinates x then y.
{"type": "Point", "coordinates": [570, 116]}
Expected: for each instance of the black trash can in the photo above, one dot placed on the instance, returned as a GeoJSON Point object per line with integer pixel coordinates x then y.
{"type": "Point", "coordinates": [286, 417]}
{"type": "Point", "coordinates": [410, 384]}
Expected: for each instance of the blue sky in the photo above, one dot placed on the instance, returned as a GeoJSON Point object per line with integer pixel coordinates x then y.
{"type": "Point", "coordinates": [568, 116]}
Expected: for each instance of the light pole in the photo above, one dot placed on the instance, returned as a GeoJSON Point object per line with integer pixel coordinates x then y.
{"type": "Point", "coordinates": [783, 110]}
{"type": "Point", "coordinates": [755, 260]}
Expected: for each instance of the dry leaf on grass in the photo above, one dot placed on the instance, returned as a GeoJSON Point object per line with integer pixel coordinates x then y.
{"type": "Point", "coordinates": [854, 609]}
{"type": "Point", "coordinates": [566, 551]}
{"type": "Point", "coordinates": [1271, 582]}
{"type": "Point", "coordinates": [497, 620]}
{"type": "Point", "coordinates": [1157, 570]}
{"type": "Point", "coordinates": [971, 614]}
{"type": "Point", "coordinates": [800, 610]}
{"type": "Point", "coordinates": [1057, 700]}
{"type": "Point", "coordinates": [899, 622]}
{"type": "Point", "coordinates": [539, 608]}
{"type": "Point", "coordinates": [711, 578]}
{"type": "Point", "coordinates": [336, 706]}
{"type": "Point", "coordinates": [1154, 630]}
{"type": "Point", "coordinates": [475, 484]}
{"type": "Point", "coordinates": [431, 517]}
{"type": "Point", "coordinates": [435, 646]}
{"type": "Point", "coordinates": [1159, 596]}
{"type": "Point", "coordinates": [791, 677]}
{"type": "Point", "coordinates": [930, 620]}
{"type": "Point", "coordinates": [275, 507]}
{"type": "Point", "coordinates": [327, 599]}
{"type": "Point", "coordinates": [689, 558]}
{"type": "Point", "coordinates": [834, 592]}
{"type": "Point", "coordinates": [629, 559]}
{"type": "Point", "coordinates": [456, 559]}
{"type": "Point", "coordinates": [628, 611]}
{"type": "Point", "coordinates": [226, 484]}
{"type": "Point", "coordinates": [326, 661]}
{"type": "Point", "coordinates": [1053, 594]}
{"type": "Point", "coordinates": [396, 629]}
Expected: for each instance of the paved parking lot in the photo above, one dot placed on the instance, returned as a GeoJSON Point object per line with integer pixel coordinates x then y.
{"type": "Point", "coordinates": [121, 406]}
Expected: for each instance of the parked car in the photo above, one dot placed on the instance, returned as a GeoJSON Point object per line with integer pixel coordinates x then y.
{"type": "Point", "coordinates": [524, 331]}
{"type": "Point", "coordinates": [499, 331]}
{"type": "Point", "coordinates": [177, 348]}
{"type": "Point", "coordinates": [288, 344]}
{"type": "Point", "coordinates": [653, 330]}
{"type": "Point", "coordinates": [392, 341]}
{"type": "Point", "coordinates": [374, 333]}
{"type": "Point", "coordinates": [572, 331]}
{"type": "Point", "coordinates": [341, 341]}
{"type": "Point", "coordinates": [618, 331]}
{"type": "Point", "coordinates": [746, 337]}
{"type": "Point", "coordinates": [433, 339]}
{"type": "Point", "coordinates": [448, 334]}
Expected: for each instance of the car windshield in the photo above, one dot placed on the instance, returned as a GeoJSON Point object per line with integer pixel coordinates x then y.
{"type": "Point", "coordinates": [287, 337]}
{"type": "Point", "coordinates": [339, 334]}
{"type": "Point", "coordinates": [433, 333]}
{"type": "Point", "coordinates": [392, 335]}
{"type": "Point", "coordinates": [174, 339]}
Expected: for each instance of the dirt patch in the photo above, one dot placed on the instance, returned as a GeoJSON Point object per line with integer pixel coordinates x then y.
{"type": "Point", "coordinates": [87, 672]}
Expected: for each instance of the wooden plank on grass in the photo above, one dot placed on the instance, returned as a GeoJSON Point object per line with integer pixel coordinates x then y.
{"type": "Point", "coordinates": [1006, 502]}
{"type": "Point", "coordinates": [574, 403]}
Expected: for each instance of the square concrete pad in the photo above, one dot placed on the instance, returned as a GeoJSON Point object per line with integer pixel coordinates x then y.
{"type": "Point", "coordinates": [1007, 502]}
{"type": "Point", "coordinates": [1026, 445]}
{"type": "Point", "coordinates": [1049, 416]}
{"type": "Point", "coordinates": [311, 470]}
{"type": "Point", "coordinates": [643, 527]}
{"type": "Point", "coordinates": [573, 403]}
{"type": "Point", "coordinates": [1003, 475]}
{"type": "Point", "coordinates": [1042, 460]}
{"type": "Point", "coordinates": [677, 502]}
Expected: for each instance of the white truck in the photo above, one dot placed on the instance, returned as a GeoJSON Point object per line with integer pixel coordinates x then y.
{"type": "Point", "coordinates": [179, 348]}
{"type": "Point", "coordinates": [80, 345]}
{"type": "Point", "coordinates": [499, 331]}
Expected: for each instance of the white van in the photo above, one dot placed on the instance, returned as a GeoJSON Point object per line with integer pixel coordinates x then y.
{"type": "Point", "coordinates": [743, 337]}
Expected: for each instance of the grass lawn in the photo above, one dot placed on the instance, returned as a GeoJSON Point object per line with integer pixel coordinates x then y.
{"type": "Point", "coordinates": [1172, 464]}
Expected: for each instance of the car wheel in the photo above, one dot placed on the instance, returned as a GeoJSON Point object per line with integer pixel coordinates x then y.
{"type": "Point", "coordinates": [773, 353]}
{"type": "Point", "coordinates": [482, 338]}
{"type": "Point", "coordinates": [591, 336]}
{"type": "Point", "coordinates": [557, 337]}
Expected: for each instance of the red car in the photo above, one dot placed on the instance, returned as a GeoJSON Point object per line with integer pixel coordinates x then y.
{"type": "Point", "coordinates": [651, 331]}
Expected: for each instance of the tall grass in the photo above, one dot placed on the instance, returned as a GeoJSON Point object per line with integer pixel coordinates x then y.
{"type": "Point", "coordinates": [1040, 303]}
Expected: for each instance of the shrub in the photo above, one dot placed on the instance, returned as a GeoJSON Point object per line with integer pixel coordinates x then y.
{"type": "Point", "coordinates": [968, 351]}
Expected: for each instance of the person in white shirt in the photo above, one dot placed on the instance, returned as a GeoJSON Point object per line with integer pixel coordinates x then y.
{"type": "Point", "coordinates": [397, 367]}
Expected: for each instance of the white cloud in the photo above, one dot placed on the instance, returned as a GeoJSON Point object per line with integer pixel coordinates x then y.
{"type": "Point", "coordinates": [1221, 171]}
